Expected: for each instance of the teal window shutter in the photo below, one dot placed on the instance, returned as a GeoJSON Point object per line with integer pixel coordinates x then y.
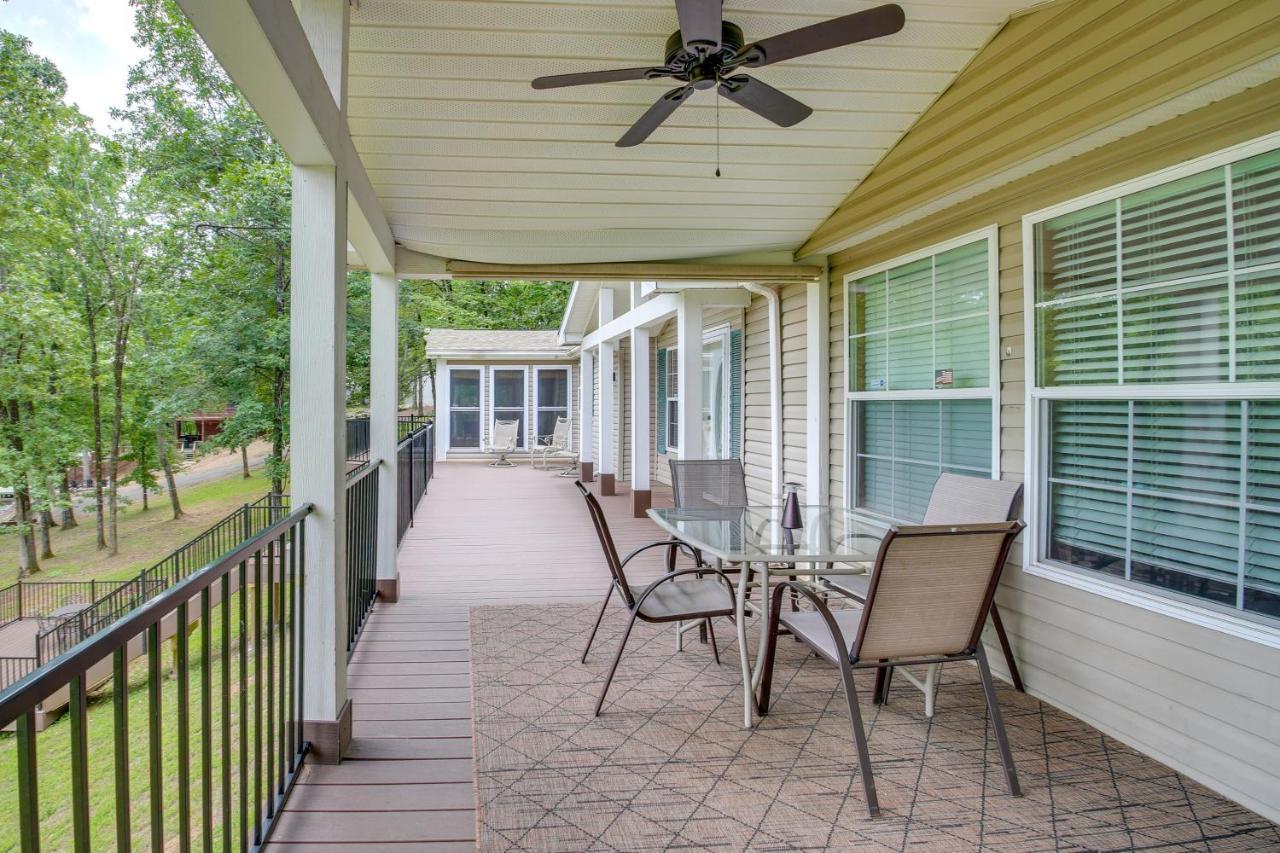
{"type": "Point", "coordinates": [735, 394]}
{"type": "Point", "coordinates": [661, 446]}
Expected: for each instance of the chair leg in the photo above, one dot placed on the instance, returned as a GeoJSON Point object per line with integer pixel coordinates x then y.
{"type": "Point", "coordinates": [859, 739]}
{"type": "Point", "coordinates": [714, 648]}
{"type": "Point", "coordinates": [622, 644]}
{"type": "Point", "coordinates": [931, 687]}
{"type": "Point", "coordinates": [884, 675]}
{"type": "Point", "coordinates": [596, 627]}
{"type": "Point", "coordinates": [997, 722]}
{"type": "Point", "coordinates": [1006, 648]}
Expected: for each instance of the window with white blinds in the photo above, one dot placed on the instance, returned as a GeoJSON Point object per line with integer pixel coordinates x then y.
{"type": "Point", "coordinates": [921, 391]}
{"type": "Point", "coordinates": [1156, 320]}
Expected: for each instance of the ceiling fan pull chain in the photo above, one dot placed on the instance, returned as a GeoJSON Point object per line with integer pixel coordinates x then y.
{"type": "Point", "coordinates": [717, 132]}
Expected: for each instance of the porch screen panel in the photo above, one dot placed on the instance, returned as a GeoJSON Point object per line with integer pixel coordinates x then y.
{"type": "Point", "coordinates": [508, 399]}
{"type": "Point", "coordinates": [464, 408]}
{"type": "Point", "coordinates": [920, 333]}
{"type": "Point", "coordinates": [1174, 286]}
{"type": "Point", "coordinates": [552, 396]}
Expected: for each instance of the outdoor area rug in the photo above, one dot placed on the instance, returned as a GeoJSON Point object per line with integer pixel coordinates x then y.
{"type": "Point", "coordinates": [667, 764]}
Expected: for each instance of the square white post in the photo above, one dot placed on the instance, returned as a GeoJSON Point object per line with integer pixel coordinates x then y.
{"type": "Point", "coordinates": [586, 421]}
{"type": "Point", "coordinates": [641, 494]}
{"type": "Point", "coordinates": [817, 392]}
{"type": "Point", "coordinates": [608, 461]}
{"type": "Point", "coordinates": [440, 408]}
{"type": "Point", "coordinates": [384, 421]}
{"type": "Point", "coordinates": [689, 375]}
{"type": "Point", "coordinates": [317, 407]}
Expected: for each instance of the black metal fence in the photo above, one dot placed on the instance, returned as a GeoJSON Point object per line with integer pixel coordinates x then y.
{"type": "Point", "coordinates": [415, 465]}
{"type": "Point", "coordinates": [120, 598]}
{"type": "Point", "coordinates": [11, 669]}
{"type": "Point", "coordinates": [358, 439]}
{"type": "Point", "coordinates": [362, 548]}
{"type": "Point", "coordinates": [39, 599]}
{"type": "Point", "coordinates": [410, 424]}
{"type": "Point", "coordinates": [228, 751]}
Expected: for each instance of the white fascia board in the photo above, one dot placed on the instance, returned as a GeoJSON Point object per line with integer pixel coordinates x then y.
{"type": "Point", "coordinates": [505, 355]}
{"type": "Point", "coordinates": [264, 49]}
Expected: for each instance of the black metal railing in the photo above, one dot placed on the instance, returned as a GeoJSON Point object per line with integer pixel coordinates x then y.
{"type": "Point", "coordinates": [409, 424]}
{"type": "Point", "coordinates": [243, 523]}
{"type": "Point", "coordinates": [362, 548]}
{"type": "Point", "coordinates": [39, 599]}
{"type": "Point", "coordinates": [358, 439]}
{"type": "Point", "coordinates": [414, 466]}
{"type": "Point", "coordinates": [14, 668]}
{"type": "Point", "coordinates": [228, 751]}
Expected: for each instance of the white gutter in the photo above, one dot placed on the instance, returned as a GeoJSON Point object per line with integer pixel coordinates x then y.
{"type": "Point", "coordinates": [775, 379]}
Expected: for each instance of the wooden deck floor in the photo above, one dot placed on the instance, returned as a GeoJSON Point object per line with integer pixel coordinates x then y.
{"type": "Point", "coordinates": [481, 536]}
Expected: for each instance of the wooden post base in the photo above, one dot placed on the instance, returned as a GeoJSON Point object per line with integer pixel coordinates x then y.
{"type": "Point", "coordinates": [388, 589]}
{"type": "Point", "coordinates": [587, 473]}
{"type": "Point", "coordinates": [607, 488]}
{"type": "Point", "coordinates": [641, 500]}
{"type": "Point", "coordinates": [330, 739]}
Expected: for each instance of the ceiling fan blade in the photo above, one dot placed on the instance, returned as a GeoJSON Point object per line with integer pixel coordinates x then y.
{"type": "Point", "coordinates": [815, 38]}
{"type": "Point", "coordinates": [654, 116]}
{"type": "Point", "coordinates": [700, 24]}
{"type": "Point", "coordinates": [615, 75]}
{"type": "Point", "coordinates": [764, 100]}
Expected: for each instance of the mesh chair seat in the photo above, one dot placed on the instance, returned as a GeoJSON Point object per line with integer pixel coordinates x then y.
{"type": "Point", "coordinates": [809, 627]}
{"type": "Point", "coordinates": [853, 585]}
{"type": "Point", "coordinates": [688, 599]}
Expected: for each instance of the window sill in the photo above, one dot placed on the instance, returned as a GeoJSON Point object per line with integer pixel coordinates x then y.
{"type": "Point", "coordinates": [1166, 605]}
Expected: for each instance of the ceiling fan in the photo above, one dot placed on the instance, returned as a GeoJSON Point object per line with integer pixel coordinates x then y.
{"type": "Point", "coordinates": [707, 51]}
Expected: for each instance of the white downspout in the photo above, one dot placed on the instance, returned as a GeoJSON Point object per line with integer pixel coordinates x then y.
{"type": "Point", "coordinates": [775, 380]}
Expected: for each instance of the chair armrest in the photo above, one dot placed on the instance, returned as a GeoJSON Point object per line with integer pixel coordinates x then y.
{"type": "Point", "coordinates": [665, 543]}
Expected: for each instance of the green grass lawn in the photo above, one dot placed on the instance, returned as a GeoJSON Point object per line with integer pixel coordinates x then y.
{"type": "Point", "coordinates": [145, 537]}
{"type": "Point", "coordinates": [54, 749]}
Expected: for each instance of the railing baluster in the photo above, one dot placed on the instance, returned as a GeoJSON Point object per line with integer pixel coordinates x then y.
{"type": "Point", "coordinates": [293, 650]}
{"type": "Point", "coordinates": [244, 710]}
{"type": "Point", "coordinates": [282, 671]}
{"type": "Point", "coordinates": [120, 726]}
{"type": "Point", "coordinates": [79, 764]}
{"type": "Point", "coordinates": [257, 697]}
{"type": "Point", "coordinates": [28, 784]}
{"type": "Point", "coordinates": [225, 607]}
{"type": "Point", "coordinates": [301, 604]}
{"type": "Point", "coordinates": [268, 769]}
{"type": "Point", "coordinates": [181, 652]}
{"type": "Point", "coordinates": [206, 723]}
{"type": "Point", "coordinates": [156, 768]}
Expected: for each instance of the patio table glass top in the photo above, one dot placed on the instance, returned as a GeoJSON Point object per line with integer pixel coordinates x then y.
{"type": "Point", "coordinates": [754, 534]}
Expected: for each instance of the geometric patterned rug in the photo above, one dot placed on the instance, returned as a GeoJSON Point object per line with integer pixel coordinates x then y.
{"type": "Point", "coordinates": [667, 764]}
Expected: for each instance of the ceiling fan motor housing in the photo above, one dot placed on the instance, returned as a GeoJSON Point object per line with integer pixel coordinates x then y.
{"type": "Point", "coordinates": [731, 41]}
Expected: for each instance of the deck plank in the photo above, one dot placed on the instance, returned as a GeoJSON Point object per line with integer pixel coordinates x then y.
{"type": "Point", "coordinates": [480, 536]}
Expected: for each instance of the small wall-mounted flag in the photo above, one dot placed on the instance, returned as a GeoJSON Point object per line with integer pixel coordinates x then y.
{"type": "Point", "coordinates": [943, 378]}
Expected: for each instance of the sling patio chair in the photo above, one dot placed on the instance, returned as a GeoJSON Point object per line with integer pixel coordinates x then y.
{"type": "Point", "coordinates": [553, 446]}
{"type": "Point", "coordinates": [503, 441]}
{"type": "Point", "coordinates": [955, 499]}
{"type": "Point", "coordinates": [665, 600]}
{"type": "Point", "coordinates": [931, 589]}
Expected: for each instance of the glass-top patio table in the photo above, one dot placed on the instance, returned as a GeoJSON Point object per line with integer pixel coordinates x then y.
{"type": "Point", "coordinates": [753, 537]}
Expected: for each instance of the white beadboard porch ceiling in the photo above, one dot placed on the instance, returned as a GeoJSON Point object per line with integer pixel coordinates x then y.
{"type": "Point", "coordinates": [471, 163]}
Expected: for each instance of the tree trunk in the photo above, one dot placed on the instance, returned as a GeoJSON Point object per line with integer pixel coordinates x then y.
{"type": "Point", "coordinates": [28, 564]}
{"type": "Point", "coordinates": [117, 427]}
{"type": "Point", "coordinates": [68, 510]}
{"type": "Point", "coordinates": [146, 505]}
{"type": "Point", "coordinates": [167, 467]}
{"type": "Point", "coordinates": [95, 383]}
{"type": "Point", "coordinates": [244, 461]}
{"type": "Point", "coordinates": [280, 377]}
{"type": "Point", "coordinates": [46, 543]}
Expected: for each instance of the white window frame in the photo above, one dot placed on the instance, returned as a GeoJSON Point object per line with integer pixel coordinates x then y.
{"type": "Point", "coordinates": [724, 334]}
{"type": "Point", "coordinates": [672, 358]}
{"type": "Point", "coordinates": [493, 415]}
{"type": "Point", "coordinates": [480, 419]}
{"type": "Point", "coordinates": [991, 392]}
{"type": "Point", "coordinates": [1207, 614]}
{"type": "Point", "coordinates": [537, 403]}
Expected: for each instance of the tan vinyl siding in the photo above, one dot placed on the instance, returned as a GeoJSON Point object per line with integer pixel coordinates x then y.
{"type": "Point", "coordinates": [756, 443]}
{"type": "Point", "coordinates": [1048, 80]}
{"type": "Point", "coordinates": [1202, 701]}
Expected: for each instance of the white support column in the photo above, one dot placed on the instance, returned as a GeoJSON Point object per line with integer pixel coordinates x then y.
{"type": "Point", "coordinates": [608, 425]}
{"type": "Point", "coordinates": [689, 375]}
{"type": "Point", "coordinates": [440, 409]}
{"type": "Point", "coordinates": [641, 441]}
{"type": "Point", "coordinates": [586, 421]}
{"type": "Point", "coordinates": [817, 392]}
{"type": "Point", "coordinates": [317, 409]}
{"type": "Point", "coordinates": [607, 457]}
{"type": "Point", "coordinates": [384, 416]}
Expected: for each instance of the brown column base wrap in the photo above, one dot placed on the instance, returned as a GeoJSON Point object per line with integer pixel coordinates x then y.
{"type": "Point", "coordinates": [588, 472]}
{"type": "Point", "coordinates": [606, 486]}
{"type": "Point", "coordinates": [330, 739]}
{"type": "Point", "coordinates": [641, 500]}
{"type": "Point", "coordinates": [388, 589]}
